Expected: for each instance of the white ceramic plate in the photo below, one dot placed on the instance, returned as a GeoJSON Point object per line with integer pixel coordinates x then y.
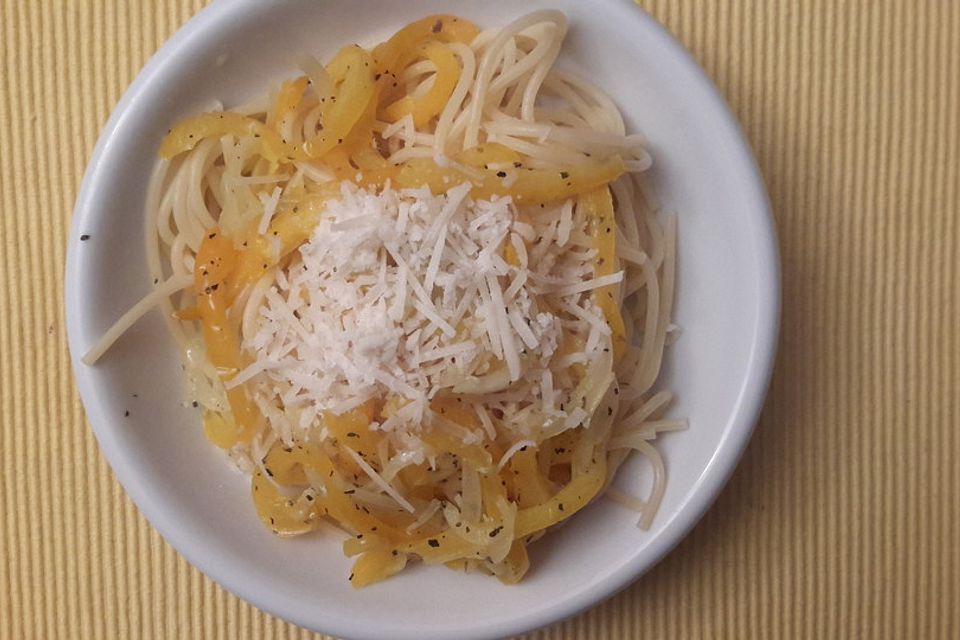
{"type": "Point", "coordinates": [728, 305]}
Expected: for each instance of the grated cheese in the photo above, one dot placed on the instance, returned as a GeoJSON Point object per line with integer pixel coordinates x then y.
{"type": "Point", "coordinates": [380, 482]}
{"type": "Point", "coordinates": [514, 448]}
{"type": "Point", "coordinates": [405, 294]}
{"type": "Point", "coordinates": [269, 209]}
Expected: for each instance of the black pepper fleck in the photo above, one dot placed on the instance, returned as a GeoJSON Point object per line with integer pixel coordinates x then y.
{"type": "Point", "coordinates": [84, 237]}
{"type": "Point", "coordinates": [433, 542]}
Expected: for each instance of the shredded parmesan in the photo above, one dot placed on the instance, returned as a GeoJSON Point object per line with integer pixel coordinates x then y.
{"type": "Point", "coordinates": [404, 294]}
{"type": "Point", "coordinates": [380, 482]}
{"type": "Point", "coordinates": [589, 285]}
{"type": "Point", "coordinates": [519, 445]}
{"type": "Point", "coordinates": [269, 209]}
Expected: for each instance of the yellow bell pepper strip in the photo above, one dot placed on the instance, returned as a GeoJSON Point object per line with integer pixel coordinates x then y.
{"type": "Point", "coordinates": [354, 546]}
{"type": "Point", "coordinates": [419, 482]}
{"type": "Point", "coordinates": [289, 229]}
{"type": "Point", "coordinates": [285, 105]}
{"type": "Point", "coordinates": [342, 158]}
{"type": "Point", "coordinates": [515, 565]}
{"type": "Point", "coordinates": [187, 314]}
{"type": "Point", "coordinates": [524, 185]}
{"type": "Point", "coordinates": [495, 156]}
{"type": "Point", "coordinates": [443, 442]}
{"type": "Point", "coordinates": [375, 565]}
{"type": "Point", "coordinates": [374, 170]}
{"type": "Point", "coordinates": [375, 540]}
{"type": "Point", "coordinates": [357, 545]}
{"type": "Point", "coordinates": [602, 227]}
{"type": "Point", "coordinates": [215, 260]}
{"type": "Point", "coordinates": [493, 493]}
{"type": "Point", "coordinates": [396, 53]}
{"type": "Point", "coordinates": [527, 486]}
{"type": "Point", "coordinates": [356, 160]}
{"type": "Point", "coordinates": [219, 429]}
{"type": "Point", "coordinates": [574, 496]}
{"type": "Point", "coordinates": [284, 465]}
{"type": "Point", "coordinates": [441, 547]}
{"type": "Point", "coordinates": [339, 161]}
{"type": "Point", "coordinates": [426, 107]}
{"type": "Point", "coordinates": [572, 344]}
{"type": "Point", "coordinates": [449, 408]}
{"type": "Point", "coordinates": [558, 450]}
{"type": "Point", "coordinates": [488, 153]}
{"type": "Point", "coordinates": [352, 429]}
{"type": "Point", "coordinates": [284, 515]}
{"type": "Point", "coordinates": [510, 255]}
{"type": "Point", "coordinates": [461, 564]}
{"type": "Point", "coordinates": [352, 71]}
{"type": "Point", "coordinates": [338, 503]}
{"type": "Point", "coordinates": [188, 133]}
{"type": "Point", "coordinates": [453, 408]}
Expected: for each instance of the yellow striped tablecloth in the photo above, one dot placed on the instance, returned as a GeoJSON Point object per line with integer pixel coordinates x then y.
{"type": "Point", "coordinates": [841, 521]}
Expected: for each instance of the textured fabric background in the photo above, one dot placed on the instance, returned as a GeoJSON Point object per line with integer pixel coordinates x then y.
{"type": "Point", "coordinates": [841, 521]}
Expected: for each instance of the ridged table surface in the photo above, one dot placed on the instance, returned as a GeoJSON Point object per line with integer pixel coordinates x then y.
{"type": "Point", "coordinates": [840, 522]}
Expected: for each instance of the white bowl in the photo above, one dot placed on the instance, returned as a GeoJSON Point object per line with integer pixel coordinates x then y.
{"type": "Point", "coordinates": [727, 305]}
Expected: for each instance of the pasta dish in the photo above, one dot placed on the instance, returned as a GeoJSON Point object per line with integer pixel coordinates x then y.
{"type": "Point", "coordinates": [421, 292]}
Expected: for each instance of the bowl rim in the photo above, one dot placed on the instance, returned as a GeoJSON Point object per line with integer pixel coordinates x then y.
{"type": "Point", "coordinates": [712, 479]}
